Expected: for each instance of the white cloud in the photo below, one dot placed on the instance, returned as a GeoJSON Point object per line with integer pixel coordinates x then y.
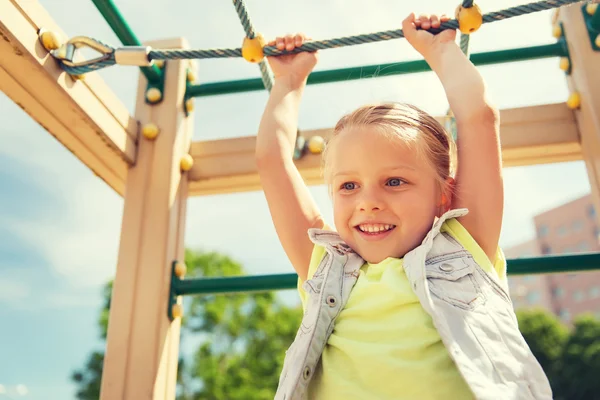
{"type": "Point", "coordinates": [21, 390]}
{"type": "Point", "coordinates": [12, 291]}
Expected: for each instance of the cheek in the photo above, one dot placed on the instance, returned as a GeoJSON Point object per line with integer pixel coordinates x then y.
{"type": "Point", "coordinates": [342, 211]}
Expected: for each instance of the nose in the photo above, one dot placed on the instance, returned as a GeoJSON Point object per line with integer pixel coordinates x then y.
{"type": "Point", "coordinates": [369, 201]}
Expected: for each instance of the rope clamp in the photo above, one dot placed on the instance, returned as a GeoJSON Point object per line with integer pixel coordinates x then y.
{"type": "Point", "coordinates": [66, 53]}
{"type": "Point", "coordinates": [134, 55]}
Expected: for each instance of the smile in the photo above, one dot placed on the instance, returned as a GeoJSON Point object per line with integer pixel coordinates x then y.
{"type": "Point", "coordinates": [375, 228]}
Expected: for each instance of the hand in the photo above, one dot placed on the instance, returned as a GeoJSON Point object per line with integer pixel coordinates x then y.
{"type": "Point", "coordinates": [294, 68]}
{"type": "Point", "coordinates": [424, 42]}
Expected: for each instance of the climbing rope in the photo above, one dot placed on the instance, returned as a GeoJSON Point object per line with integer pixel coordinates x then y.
{"type": "Point", "coordinates": [265, 70]}
{"type": "Point", "coordinates": [110, 56]}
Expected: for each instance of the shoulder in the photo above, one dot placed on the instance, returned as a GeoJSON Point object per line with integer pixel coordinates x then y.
{"type": "Point", "coordinates": [317, 255]}
{"type": "Point", "coordinates": [462, 235]}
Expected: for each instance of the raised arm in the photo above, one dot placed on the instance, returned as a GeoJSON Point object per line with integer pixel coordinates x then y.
{"type": "Point", "coordinates": [292, 208]}
{"type": "Point", "coordinates": [479, 185]}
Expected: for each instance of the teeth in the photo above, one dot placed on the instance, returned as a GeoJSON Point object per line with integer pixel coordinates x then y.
{"type": "Point", "coordinates": [375, 228]}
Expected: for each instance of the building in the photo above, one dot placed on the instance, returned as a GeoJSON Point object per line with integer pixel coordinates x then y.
{"type": "Point", "coordinates": [567, 229]}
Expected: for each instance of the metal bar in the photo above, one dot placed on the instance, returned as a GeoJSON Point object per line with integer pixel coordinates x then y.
{"type": "Point", "coordinates": [243, 284]}
{"type": "Point", "coordinates": [115, 20]}
{"type": "Point", "coordinates": [236, 284]}
{"type": "Point", "coordinates": [595, 21]}
{"type": "Point", "coordinates": [373, 71]}
{"type": "Point", "coordinates": [554, 264]}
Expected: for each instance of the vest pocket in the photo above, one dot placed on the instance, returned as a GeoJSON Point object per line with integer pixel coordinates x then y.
{"type": "Point", "coordinates": [453, 282]}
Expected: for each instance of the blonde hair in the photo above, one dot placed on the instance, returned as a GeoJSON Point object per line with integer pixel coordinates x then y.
{"type": "Point", "coordinates": [407, 123]}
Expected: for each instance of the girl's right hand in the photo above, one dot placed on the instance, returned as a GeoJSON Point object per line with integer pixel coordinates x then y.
{"type": "Point", "coordinates": [292, 68]}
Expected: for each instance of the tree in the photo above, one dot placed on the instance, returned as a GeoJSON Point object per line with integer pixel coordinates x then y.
{"type": "Point", "coordinates": [244, 338]}
{"type": "Point", "coordinates": [545, 336]}
{"type": "Point", "coordinates": [571, 359]}
{"type": "Point", "coordinates": [578, 368]}
{"type": "Point", "coordinates": [241, 339]}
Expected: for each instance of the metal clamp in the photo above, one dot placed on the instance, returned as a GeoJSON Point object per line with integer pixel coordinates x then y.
{"type": "Point", "coordinates": [66, 52]}
{"type": "Point", "coordinates": [134, 55]}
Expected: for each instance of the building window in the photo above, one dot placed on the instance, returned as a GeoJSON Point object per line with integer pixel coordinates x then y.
{"type": "Point", "coordinates": [529, 278]}
{"type": "Point", "coordinates": [584, 246]}
{"type": "Point", "coordinates": [557, 292]}
{"type": "Point", "coordinates": [577, 225]}
{"type": "Point", "coordinates": [533, 297]}
{"type": "Point", "coordinates": [595, 292]}
{"type": "Point", "coordinates": [543, 230]}
{"type": "Point", "coordinates": [564, 314]}
{"type": "Point", "coordinates": [591, 211]}
{"type": "Point", "coordinates": [578, 295]}
{"type": "Point", "coordinates": [546, 249]}
{"type": "Point", "coordinates": [562, 230]}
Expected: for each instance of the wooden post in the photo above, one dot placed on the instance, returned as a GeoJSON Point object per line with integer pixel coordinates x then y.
{"type": "Point", "coordinates": [143, 344]}
{"type": "Point", "coordinates": [585, 80]}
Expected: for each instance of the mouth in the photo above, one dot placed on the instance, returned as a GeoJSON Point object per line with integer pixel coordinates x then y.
{"type": "Point", "coordinates": [374, 229]}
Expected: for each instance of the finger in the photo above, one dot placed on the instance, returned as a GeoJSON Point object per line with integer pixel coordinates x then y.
{"type": "Point", "coordinates": [425, 22]}
{"type": "Point", "coordinates": [444, 18]}
{"type": "Point", "coordinates": [299, 39]}
{"type": "Point", "coordinates": [289, 42]}
{"type": "Point", "coordinates": [409, 25]}
{"type": "Point", "coordinates": [435, 21]}
{"type": "Point", "coordinates": [271, 43]}
{"type": "Point", "coordinates": [280, 43]}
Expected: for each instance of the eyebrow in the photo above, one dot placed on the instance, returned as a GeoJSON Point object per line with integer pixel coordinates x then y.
{"type": "Point", "coordinates": [343, 173]}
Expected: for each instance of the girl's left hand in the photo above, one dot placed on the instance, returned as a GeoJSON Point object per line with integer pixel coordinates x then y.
{"type": "Point", "coordinates": [415, 32]}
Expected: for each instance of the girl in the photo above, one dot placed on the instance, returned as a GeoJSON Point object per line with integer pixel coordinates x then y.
{"type": "Point", "coordinates": [408, 299]}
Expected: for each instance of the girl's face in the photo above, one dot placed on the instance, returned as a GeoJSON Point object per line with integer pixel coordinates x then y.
{"type": "Point", "coordinates": [385, 197]}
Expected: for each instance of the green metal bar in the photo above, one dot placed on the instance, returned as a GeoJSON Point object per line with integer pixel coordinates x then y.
{"type": "Point", "coordinates": [595, 21]}
{"type": "Point", "coordinates": [554, 264]}
{"type": "Point", "coordinates": [372, 71]}
{"type": "Point", "coordinates": [115, 20]}
{"type": "Point", "coordinates": [236, 284]}
{"type": "Point", "coordinates": [241, 284]}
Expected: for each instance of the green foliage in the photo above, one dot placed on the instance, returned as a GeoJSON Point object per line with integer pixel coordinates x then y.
{"type": "Point", "coordinates": [571, 359]}
{"type": "Point", "coordinates": [241, 339]}
{"type": "Point", "coordinates": [545, 336]}
{"type": "Point", "coordinates": [88, 378]}
{"type": "Point", "coordinates": [579, 365]}
{"type": "Point", "coordinates": [244, 337]}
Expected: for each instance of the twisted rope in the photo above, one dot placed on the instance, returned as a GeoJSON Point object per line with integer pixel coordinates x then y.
{"type": "Point", "coordinates": [464, 43]}
{"type": "Point", "coordinates": [336, 42]}
{"type": "Point", "coordinates": [265, 70]}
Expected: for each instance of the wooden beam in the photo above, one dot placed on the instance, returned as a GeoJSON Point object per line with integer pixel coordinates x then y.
{"type": "Point", "coordinates": [85, 116]}
{"type": "Point", "coordinates": [585, 80]}
{"type": "Point", "coordinates": [530, 135]}
{"type": "Point", "coordinates": [142, 346]}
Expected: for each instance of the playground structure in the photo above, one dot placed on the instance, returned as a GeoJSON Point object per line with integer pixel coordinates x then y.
{"type": "Point", "coordinates": [151, 161]}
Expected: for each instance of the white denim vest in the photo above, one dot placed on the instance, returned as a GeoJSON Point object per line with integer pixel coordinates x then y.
{"type": "Point", "coordinates": [471, 310]}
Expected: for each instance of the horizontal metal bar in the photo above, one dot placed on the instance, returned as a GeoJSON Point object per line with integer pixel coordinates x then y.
{"type": "Point", "coordinates": [258, 283]}
{"type": "Point", "coordinates": [554, 264]}
{"type": "Point", "coordinates": [374, 71]}
{"type": "Point", "coordinates": [117, 23]}
{"type": "Point", "coordinates": [236, 284]}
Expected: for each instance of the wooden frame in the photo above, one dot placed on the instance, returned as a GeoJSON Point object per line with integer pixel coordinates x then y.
{"type": "Point", "coordinates": [585, 81]}
{"type": "Point", "coordinates": [529, 135]}
{"type": "Point", "coordinates": [142, 348]}
{"type": "Point", "coordinates": [86, 117]}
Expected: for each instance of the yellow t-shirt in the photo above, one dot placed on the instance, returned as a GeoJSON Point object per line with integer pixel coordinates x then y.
{"type": "Point", "coordinates": [384, 345]}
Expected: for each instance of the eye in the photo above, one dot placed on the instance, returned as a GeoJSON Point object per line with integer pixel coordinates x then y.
{"type": "Point", "coordinates": [348, 186]}
{"type": "Point", "coordinates": [394, 182]}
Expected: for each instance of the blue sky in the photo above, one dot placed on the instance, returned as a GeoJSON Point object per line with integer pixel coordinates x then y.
{"type": "Point", "coordinates": [59, 224]}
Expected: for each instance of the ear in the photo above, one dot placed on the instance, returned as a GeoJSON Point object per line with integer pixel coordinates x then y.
{"type": "Point", "coordinates": [446, 195]}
